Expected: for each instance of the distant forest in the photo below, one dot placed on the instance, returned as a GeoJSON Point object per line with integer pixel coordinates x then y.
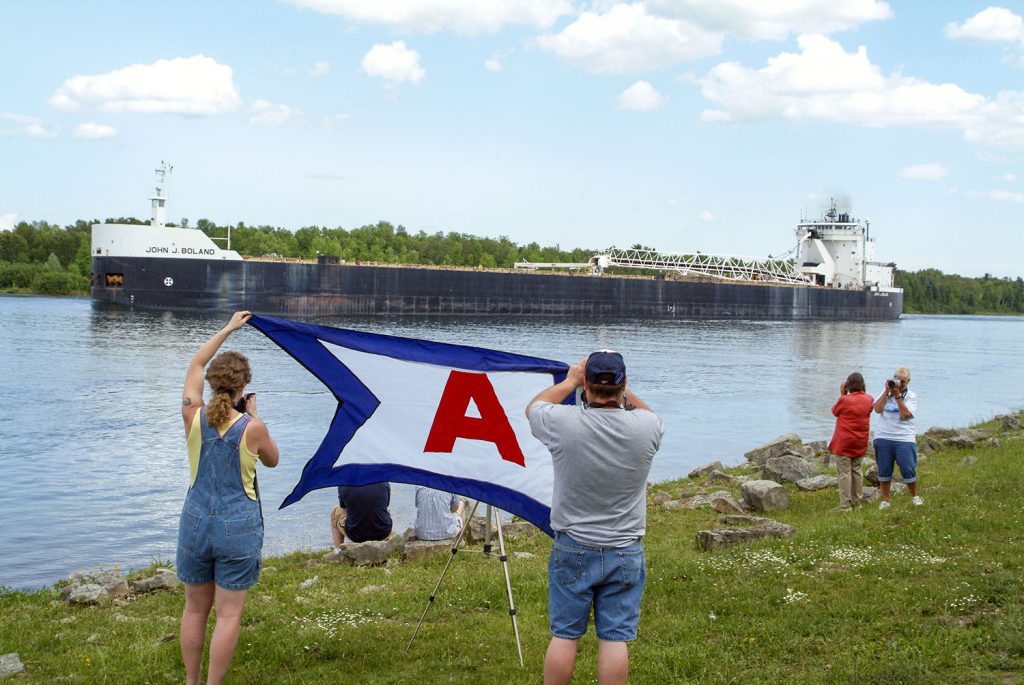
{"type": "Point", "coordinates": [39, 257]}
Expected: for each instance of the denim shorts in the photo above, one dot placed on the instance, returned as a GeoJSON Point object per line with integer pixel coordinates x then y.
{"type": "Point", "coordinates": [226, 550]}
{"type": "Point", "coordinates": [609, 579]}
{"type": "Point", "coordinates": [889, 452]}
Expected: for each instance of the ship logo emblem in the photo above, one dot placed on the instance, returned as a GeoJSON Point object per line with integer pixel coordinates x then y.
{"type": "Point", "coordinates": [168, 281]}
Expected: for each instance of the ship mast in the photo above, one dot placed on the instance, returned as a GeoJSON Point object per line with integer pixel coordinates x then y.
{"type": "Point", "coordinates": [159, 200]}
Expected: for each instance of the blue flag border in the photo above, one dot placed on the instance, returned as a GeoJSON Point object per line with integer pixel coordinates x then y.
{"type": "Point", "coordinates": [356, 404]}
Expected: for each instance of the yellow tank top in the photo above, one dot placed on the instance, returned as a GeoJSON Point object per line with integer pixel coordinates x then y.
{"type": "Point", "coordinates": [246, 459]}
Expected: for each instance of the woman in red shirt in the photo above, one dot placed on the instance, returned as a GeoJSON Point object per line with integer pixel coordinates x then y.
{"type": "Point", "coordinates": [850, 440]}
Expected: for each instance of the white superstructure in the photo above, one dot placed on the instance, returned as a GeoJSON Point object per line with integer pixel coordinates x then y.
{"type": "Point", "coordinates": [837, 251]}
{"type": "Point", "coordinates": [157, 239]}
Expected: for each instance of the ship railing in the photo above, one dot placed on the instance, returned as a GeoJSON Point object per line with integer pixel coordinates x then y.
{"type": "Point", "coordinates": [724, 267]}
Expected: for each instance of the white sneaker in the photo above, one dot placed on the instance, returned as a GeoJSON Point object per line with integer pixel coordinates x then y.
{"type": "Point", "coordinates": [917, 501]}
{"type": "Point", "coordinates": [884, 504]}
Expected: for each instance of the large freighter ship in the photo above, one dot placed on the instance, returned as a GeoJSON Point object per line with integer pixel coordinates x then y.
{"type": "Point", "coordinates": [829, 274]}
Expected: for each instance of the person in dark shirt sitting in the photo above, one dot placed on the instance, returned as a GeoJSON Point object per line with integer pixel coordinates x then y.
{"type": "Point", "coordinates": [361, 515]}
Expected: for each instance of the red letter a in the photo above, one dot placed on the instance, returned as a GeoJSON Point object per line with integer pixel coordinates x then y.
{"type": "Point", "coordinates": [451, 422]}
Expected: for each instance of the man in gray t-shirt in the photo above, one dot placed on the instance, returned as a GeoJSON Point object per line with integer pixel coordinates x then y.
{"type": "Point", "coordinates": [601, 451]}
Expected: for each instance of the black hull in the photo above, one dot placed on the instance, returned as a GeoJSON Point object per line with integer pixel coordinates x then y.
{"type": "Point", "coordinates": [306, 290]}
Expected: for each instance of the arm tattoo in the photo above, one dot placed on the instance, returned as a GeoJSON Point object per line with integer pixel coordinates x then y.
{"type": "Point", "coordinates": [187, 401]}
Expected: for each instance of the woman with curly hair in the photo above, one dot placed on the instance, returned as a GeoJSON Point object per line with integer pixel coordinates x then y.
{"type": "Point", "coordinates": [220, 534]}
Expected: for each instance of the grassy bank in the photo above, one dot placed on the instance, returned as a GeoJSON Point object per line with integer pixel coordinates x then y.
{"type": "Point", "coordinates": [910, 595]}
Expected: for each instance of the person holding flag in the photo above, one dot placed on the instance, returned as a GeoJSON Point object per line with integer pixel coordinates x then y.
{"type": "Point", "coordinates": [601, 451]}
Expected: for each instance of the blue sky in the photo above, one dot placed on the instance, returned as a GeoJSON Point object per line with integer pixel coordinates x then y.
{"type": "Point", "coordinates": [685, 125]}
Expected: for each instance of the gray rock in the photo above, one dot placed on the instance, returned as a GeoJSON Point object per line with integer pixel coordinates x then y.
{"type": "Point", "coordinates": [86, 593]}
{"type": "Point", "coordinates": [702, 500]}
{"type": "Point", "coordinates": [897, 488]}
{"type": "Point", "coordinates": [477, 529]}
{"type": "Point", "coordinates": [775, 448]}
{"type": "Point", "coordinates": [523, 555]}
{"type": "Point", "coordinates": [817, 483]}
{"type": "Point", "coordinates": [10, 664]}
{"type": "Point", "coordinates": [726, 504]}
{"type": "Point", "coordinates": [419, 550]}
{"type": "Point", "coordinates": [372, 553]}
{"type": "Point", "coordinates": [969, 460]}
{"type": "Point", "coordinates": [165, 579]}
{"type": "Point", "coordinates": [660, 497]}
{"type": "Point", "coordinates": [787, 469]}
{"type": "Point", "coordinates": [1011, 422]}
{"type": "Point", "coordinates": [765, 495]}
{"type": "Point", "coordinates": [673, 505]}
{"type": "Point", "coordinates": [940, 433]}
{"type": "Point", "coordinates": [992, 442]}
{"type": "Point", "coordinates": [718, 478]}
{"type": "Point", "coordinates": [518, 529]}
{"type": "Point", "coordinates": [708, 540]}
{"type": "Point", "coordinates": [705, 469]}
{"type": "Point", "coordinates": [93, 639]}
{"type": "Point", "coordinates": [820, 447]}
{"type": "Point", "coordinates": [308, 583]}
{"type": "Point", "coordinates": [870, 494]}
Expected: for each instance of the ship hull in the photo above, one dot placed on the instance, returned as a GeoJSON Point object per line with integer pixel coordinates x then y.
{"type": "Point", "coordinates": [308, 290]}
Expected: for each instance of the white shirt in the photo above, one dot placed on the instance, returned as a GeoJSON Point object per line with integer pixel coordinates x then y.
{"type": "Point", "coordinates": [889, 425]}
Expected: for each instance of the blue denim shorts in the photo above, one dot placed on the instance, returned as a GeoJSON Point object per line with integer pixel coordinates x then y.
{"type": "Point", "coordinates": [226, 550]}
{"type": "Point", "coordinates": [609, 579]}
{"type": "Point", "coordinates": [889, 452]}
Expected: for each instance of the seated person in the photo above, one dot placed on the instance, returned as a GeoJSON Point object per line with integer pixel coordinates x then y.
{"type": "Point", "coordinates": [439, 515]}
{"type": "Point", "coordinates": [361, 515]}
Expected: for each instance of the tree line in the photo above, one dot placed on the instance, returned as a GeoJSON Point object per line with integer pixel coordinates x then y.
{"type": "Point", "coordinates": [40, 257]}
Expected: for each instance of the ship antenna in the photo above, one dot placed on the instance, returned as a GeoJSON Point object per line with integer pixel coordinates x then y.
{"type": "Point", "coordinates": [159, 200]}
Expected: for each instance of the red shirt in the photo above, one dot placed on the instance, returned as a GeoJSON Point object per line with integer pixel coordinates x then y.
{"type": "Point", "coordinates": [853, 421]}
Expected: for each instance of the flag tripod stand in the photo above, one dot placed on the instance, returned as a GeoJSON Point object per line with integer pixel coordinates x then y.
{"type": "Point", "coordinates": [487, 551]}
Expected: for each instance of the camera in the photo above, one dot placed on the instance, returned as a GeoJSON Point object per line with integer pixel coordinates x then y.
{"type": "Point", "coordinates": [893, 384]}
{"type": "Point", "coordinates": [240, 404]}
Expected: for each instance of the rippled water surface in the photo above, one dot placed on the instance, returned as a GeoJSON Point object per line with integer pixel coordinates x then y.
{"type": "Point", "coordinates": [92, 455]}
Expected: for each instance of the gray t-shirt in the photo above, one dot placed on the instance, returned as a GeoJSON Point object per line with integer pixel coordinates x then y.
{"type": "Point", "coordinates": [601, 460]}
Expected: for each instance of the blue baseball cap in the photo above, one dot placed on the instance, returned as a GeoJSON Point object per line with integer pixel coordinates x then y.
{"type": "Point", "coordinates": [605, 367]}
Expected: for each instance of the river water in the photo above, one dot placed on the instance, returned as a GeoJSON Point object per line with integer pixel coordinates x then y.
{"type": "Point", "coordinates": [92, 458]}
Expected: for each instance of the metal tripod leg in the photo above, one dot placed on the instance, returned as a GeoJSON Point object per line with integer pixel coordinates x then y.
{"type": "Point", "coordinates": [503, 558]}
{"type": "Point", "coordinates": [455, 549]}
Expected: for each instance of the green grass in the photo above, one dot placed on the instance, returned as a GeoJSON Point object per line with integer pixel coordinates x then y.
{"type": "Point", "coordinates": [912, 595]}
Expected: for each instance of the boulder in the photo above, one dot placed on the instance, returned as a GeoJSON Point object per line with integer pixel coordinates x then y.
{"type": "Point", "coordinates": [165, 579]}
{"type": "Point", "coordinates": [817, 483]}
{"type": "Point", "coordinates": [660, 497]}
{"type": "Point", "coordinates": [673, 505]}
{"type": "Point", "coordinates": [477, 530]}
{"type": "Point", "coordinates": [10, 664]}
{"type": "Point", "coordinates": [765, 495]}
{"type": "Point", "coordinates": [708, 540]}
{"type": "Point", "coordinates": [940, 433]}
{"type": "Point", "coordinates": [820, 447]}
{"type": "Point", "coordinates": [702, 500]}
{"type": "Point", "coordinates": [775, 448]}
{"type": "Point", "coordinates": [1011, 422]}
{"type": "Point", "coordinates": [419, 550]}
{"type": "Point", "coordinates": [705, 469]}
{"type": "Point", "coordinates": [372, 553]}
{"type": "Point", "coordinates": [870, 494]}
{"type": "Point", "coordinates": [726, 504]}
{"type": "Point", "coordinates": [718, 478]}
{"type": "Point", "coordinates": [787, 469]}
{"type": "Point", "coordinates": [969, 460]}
{"type": "Point", "coordinates": [86, 593]}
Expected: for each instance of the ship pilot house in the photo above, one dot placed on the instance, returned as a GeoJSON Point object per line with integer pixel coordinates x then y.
{"type": "Point", "coordinates": [837, 251]}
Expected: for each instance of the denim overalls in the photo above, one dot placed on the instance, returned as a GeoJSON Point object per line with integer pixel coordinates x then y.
{"type": "Point", "coordinates": [220, 534]}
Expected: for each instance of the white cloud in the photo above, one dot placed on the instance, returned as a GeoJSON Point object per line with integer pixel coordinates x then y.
{"type": "Point", "coordinates": [759, 20]}
{"type": "Point", "coordinates": [825, 83]}
{"type": "Point", "coordinates": [24, 125]}
{"type": "Point", "coordinates": [268, 114]}
{"type": "Point", "coordinates": [1006, 177]}
{"type": "Point", "coordinates": [493, 64]}
{"type": "Point", "coordinates": [185, 85]}
{"type": "Point", "coordinates": [39, 131]}
{"type": "Point", "coordinates": [925, 172]}
{"type": "Point", "coordinates": [997, 195]}
{"type": "Point", "coordinates": [993, 25]}
{"type": "Point", "coordinates": [460, 16]}
{"type": "Point", "coordinates": [91, 131]}
{"type": "Point", "coordinates": [627, 39]}
{"type": "Point", "coordinates": [7, 221]}
{"type": "Point", "coordinates": [707, 216]}
{"type": "Point", "coordinates": [641, 96]}
{"type": "Point", "coordinates": [321, 68]}
{"type": "Point", "coordinates": [395, 63]}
